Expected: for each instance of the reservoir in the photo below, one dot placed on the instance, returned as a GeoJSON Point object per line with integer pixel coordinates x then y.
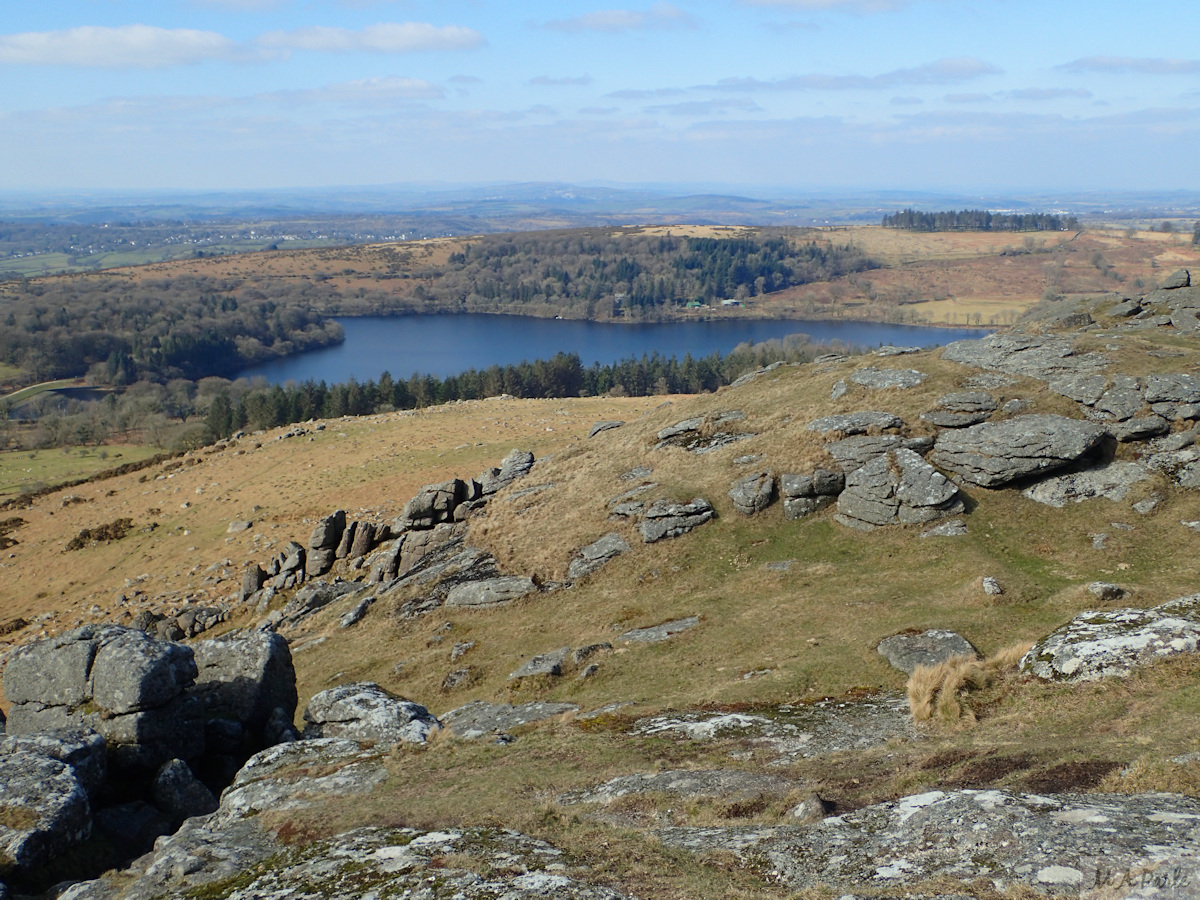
{"type": "Point", "coordinates": [443, 345]}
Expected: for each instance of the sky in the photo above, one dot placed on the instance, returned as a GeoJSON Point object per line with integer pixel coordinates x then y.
{"type": "Point", "coordinates": [1008, 95]}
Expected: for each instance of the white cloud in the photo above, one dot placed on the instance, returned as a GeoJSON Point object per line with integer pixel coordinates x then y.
{"type": "Point", "coordinates": [368, 92]}
{"type": "Point", "coordinates": [659, 16]}
{"type": "Point", "coordinates": [547, 81]}
{"type": "Point", "coordinates": [385, 37]}
{"type": "Point", "coordinates": [943, 71]}
{"type": "Point", "coordinates": [1123, 65]}
{"type": "Point", "coordinates": [125, 47]}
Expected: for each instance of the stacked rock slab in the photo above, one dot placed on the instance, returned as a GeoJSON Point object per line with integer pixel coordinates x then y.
{"type": "Point", "coordinates": [897, 489]}
{"type": "Point", "coordinates": [131, 689]}
{"type": "Point", "coordinates": [323, 544]}
{"type": "Point", "coordinates": [806, 494]}
{"type": "Point", "coordinates": [596, 554]}
{"type": "Point", "coordinates": [668, 518]}
{"type": "Point", "coordinates": [994, 454]}
{"type": "Point", "coordinates": [753, 493]}
{"type": "Point", "coordinates": [244, 680]}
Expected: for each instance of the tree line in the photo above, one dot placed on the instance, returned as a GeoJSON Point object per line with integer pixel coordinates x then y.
{"type": "Point", "coordinates": [599, 274]}
{"type": "Point", "coordinates": [240, 406]}
{"type": "Point", "coordinates": [978, 220]}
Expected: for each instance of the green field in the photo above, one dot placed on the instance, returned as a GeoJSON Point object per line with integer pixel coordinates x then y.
{"type": "Point", "coordinates": [64, 263]}
{"type": "Point", "coordinates": [23, 470]}
{"type": "Point", "coordinates": [27, 393]}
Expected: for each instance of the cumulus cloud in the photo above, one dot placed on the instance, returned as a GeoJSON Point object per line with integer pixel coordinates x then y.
{"type": "Point", "coordinates": [659, 16]}
{"type": "Point", "coordinates": [385, 37]}
{"type": "Point", "coordinates": [942, 71]}
{"type": "Point", "coordinates": [547, 81]}
{"type": "Point", "coordinates": [125, 47]}
{"type": "Point", "coordinates": [719, 106]}
{"type": "Point", "coordinates": [1123, 65]}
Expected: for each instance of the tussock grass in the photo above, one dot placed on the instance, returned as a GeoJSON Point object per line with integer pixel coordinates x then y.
{"type": "Point", "coordinates": [939, 693]}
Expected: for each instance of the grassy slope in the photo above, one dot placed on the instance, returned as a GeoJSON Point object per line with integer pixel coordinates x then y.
{"type": "Point", "coordinates": [813, 626]}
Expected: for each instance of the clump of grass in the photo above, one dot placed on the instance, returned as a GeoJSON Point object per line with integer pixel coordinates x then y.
{"type": "Point", "coordinates": [940, 692]}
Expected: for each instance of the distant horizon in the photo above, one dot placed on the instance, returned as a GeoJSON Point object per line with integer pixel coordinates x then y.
{"type": "Point", "coordinates": [957, 96]}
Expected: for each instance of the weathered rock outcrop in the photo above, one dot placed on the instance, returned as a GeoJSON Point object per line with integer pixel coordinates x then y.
{"type": "Point", "coordinates": [1035, 356]}
{"type": "Point", "coordinates": [994, 454]}
{"type": "Point", "coordinates": [245, 679]}
{"type": "Point", "coordinates": [668, 518]}
{"type": "Point", "coordinates": [897, 489]}
{"type": "Point", "coordinates": [856, 422]}
{"type": "Point", "coordinates": [80, 748]}
{"type": "Point", "coordinates": [753, 493]}
{"type": "Point", "coordinates": [596, 554]}
{"type": "Point", "coordinates": [44, 811]}
{"type": "Point", "coordinates": [1112, 481]}
{"type": "Point", "coordinates": [855, 452]}
{"type": "Point", "coordinates": [366, 712]}
{"type": "Point", "coordinates": [806, 494]}
{"type": "Point", "coordinates": [480, 719]}
{"type": "Point", "coordinates": [490, 591]}
{"type": "Point", "coordinates": [887, 378]}
{"type": "Point", "coordinates": [118, 681]}
{"type": "Point", "coordinates": [1114, 642]}
{"type": "Point", "coordinates": [927, 648]}
{"type": "Point", "coordinates": [1062, 844]}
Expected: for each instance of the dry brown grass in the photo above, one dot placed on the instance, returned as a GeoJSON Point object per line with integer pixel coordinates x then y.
{"type": "Point", "coordinates": [939, 693]}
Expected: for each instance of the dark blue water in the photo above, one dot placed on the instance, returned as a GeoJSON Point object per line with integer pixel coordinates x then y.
{"type": "Point", "coordinates": [444, 345]}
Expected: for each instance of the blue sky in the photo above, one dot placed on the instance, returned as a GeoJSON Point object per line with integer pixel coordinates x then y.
{"type": "Point", "coordinates": [809, 94]}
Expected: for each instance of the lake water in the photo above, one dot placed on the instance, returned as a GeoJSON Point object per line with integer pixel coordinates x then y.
{"type": "Point", "coordinates": [444, 345]}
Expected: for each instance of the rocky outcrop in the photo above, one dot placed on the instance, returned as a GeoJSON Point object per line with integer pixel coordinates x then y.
{"type": "Point", "coordinates": [246, 679]}
{"type": "Point", "coordinates": [1034, 356]}
{"type": "Point", "coordinates": [855, 452]}
{"type": "Point", "coordinates": [804, 495]}
{"type": "Point", "coordinates": [1112, 481]}
{"type": "Point", "coordinates": [179, 794]}
{"type": "Point", "coordinates": [118, 681]}
{"type": "Point", "coordinates": [1060, 844]}
{"type": "Point", "coordinates": [795, 731]}
{"type": "Point", "coordinates": [961, 409]}
{"type": "Point", "coordinates": [436, 503]}
{"type": "Point", "coordinates": [543, 664]}
{"type": "Point", "coordinates": [480, 719]}
{"type": "Point", "coordinates": [656, 633]}
{"type": "Point", "coordinates": [995, 454]}
{"type": "Point", "coordinates": [703, 434]}
{"type": "Point", "coordinates": [927, 648]}
{"type": "Point", "coordinates": [1115, 642]}
{"type": "Point", "coordinates": [490, 591]}
{"type": "Point", "coordinates": [44, 811]}
{"type": "Point", "coordinates": [517, 464]}
{"type": "Point", "coordinates": [753, 493]}
{"type": "Point", "coordinates": [80, 748]}
{"type": "Point", "coordinates": [669, 518]}
{"type": "Point", "coordinates": [686, 785]}
{"type": "Point", "coordinates": [881, 379]}
{"type": "Point", "coordinates": [596, 554]}
{"type": "Point", "coordinates": [897, 489]}
{"type": "Point", "coordinates": [605, 426]}
{"type": "Point", "coordinates": [366, 712]}
{"type": "Point", "coordinates": [855, 423]}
